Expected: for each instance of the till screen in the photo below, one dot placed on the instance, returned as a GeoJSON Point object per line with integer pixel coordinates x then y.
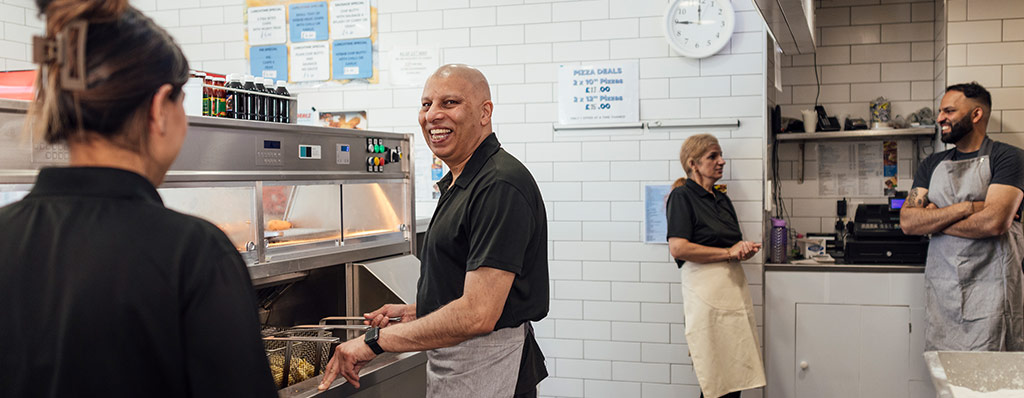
{"type": "Point", "coordinates": [896, 203]}
{"type": "Point", "coordinates": [271, 144]}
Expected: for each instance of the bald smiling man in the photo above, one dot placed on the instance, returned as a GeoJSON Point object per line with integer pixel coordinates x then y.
{"type": "Point", "coordinates": [483, 267]}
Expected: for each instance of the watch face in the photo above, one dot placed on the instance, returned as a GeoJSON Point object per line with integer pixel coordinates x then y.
{"type": "Point", "coordinates": [699, 28]}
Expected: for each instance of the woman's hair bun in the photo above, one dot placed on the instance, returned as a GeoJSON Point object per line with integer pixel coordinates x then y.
{"type": "Point", "coordinates": [60, 12]}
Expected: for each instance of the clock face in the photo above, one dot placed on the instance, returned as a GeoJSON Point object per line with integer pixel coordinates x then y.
{"type": "Point", "coordinates": [699, 28]}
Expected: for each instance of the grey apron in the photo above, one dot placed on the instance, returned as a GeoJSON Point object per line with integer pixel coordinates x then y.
{"type": "Point", "coordinates": [973, 298]}
{"type": "Point", "coordinates": [484, 366]}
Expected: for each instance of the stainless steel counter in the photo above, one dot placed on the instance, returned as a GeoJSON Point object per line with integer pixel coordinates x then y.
{"type": "Point", "coordinates": [899, 268]}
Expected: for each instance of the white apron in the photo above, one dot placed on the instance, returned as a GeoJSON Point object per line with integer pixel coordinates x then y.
{"type": "Point", "coordinates": [720, 328]}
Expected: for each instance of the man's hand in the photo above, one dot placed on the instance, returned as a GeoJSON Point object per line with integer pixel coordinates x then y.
{"type": "Point", "coordinates": [348, 359]}
{"type": "Point", "coordinates": [380, 317]}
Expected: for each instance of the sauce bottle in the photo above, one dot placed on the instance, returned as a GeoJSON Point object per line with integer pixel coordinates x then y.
{"type": "Point", "coordinates": [261, 100]}
{"type": "Point", "coordinates": [218, 107]}
{"type": "Point", "coordinates": [231, 106]}
{"type": "Point", "coordinates": [271, 101]}
{"type": "Point", "coordinates": [249, 98]}
{"type": "Point", "coordinates": [284, 106]}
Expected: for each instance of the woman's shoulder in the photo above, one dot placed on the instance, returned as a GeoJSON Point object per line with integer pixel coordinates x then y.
{"type": "Point", "coordinates": [679, 196]}
{"type": "Point", "coordinates": [196, 232]}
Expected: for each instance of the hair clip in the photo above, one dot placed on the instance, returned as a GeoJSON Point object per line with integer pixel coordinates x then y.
{"type": "Point", "coordinates": [70, 59]}
{"type": "Point", "coordinates": [46, 50]}
{"type": "Point", "coordinates": [72, 71]}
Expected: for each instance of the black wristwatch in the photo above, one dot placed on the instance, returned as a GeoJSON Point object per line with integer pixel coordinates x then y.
{"type": "Point", "coordinates": [371, 340]}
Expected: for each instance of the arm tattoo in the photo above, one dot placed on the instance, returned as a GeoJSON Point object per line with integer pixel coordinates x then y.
{"type": "Point", "coordinates": [916, 199]}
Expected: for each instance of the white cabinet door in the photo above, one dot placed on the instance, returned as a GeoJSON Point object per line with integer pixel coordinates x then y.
{"type": "Point", "coordinates": [847, 351]}
{"type": "Point", "coordinates": [885, 330]}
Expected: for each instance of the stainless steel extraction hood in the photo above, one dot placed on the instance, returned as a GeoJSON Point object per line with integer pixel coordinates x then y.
{"type": "Point", "coordinates": [791, 22]}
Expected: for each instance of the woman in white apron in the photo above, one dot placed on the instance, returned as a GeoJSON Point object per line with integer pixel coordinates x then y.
{"type": "Point", "coordinates": [705, 239]}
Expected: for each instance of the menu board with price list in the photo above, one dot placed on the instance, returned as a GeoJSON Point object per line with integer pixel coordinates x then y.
{"type": "Point", "coordinates": [598, 93]}
{"type": "Point", "coordinates": [321, 40]}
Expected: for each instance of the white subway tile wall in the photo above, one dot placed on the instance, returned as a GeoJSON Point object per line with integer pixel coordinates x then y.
{"type": "Point", "coordinates": [866, 50]}
{"type": "Point", "coordinates": [986, 44]}
{"type": "Point", "coordinates": [615, 328]}
{"type": "Point", "coordinates": [981, 41]}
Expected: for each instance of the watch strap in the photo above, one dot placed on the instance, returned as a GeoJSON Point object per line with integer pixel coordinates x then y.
{"type": "Point", "coordinates": [372, 334]}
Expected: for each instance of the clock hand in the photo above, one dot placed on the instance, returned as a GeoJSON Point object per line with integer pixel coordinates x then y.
{"type": "Point", "coordinates": [686, 22]}
{"type": "Point", "coordinates": [698, 11]}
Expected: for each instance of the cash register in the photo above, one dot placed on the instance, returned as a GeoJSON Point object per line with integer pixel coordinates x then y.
{"type": "Point", "coordinates": [878, 239]}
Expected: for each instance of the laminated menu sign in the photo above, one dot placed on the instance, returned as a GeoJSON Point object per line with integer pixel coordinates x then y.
{"type": "Point", "coordinates": [353, 59]}
{"type": "Point", "coordinates": [307, 21]}
{"type": "Point", "coordinates": [598, 93]}
{"type": "Point", "coordinates": [269, 61]}
{"type": "Point", "coordinates": [266, 25]}
{"type": "Point", "coordinates": [655, 220]}
{"type": "Point", "coordinates": [350, 19]}
{"type": "Point", "coordinates": [310, 62]}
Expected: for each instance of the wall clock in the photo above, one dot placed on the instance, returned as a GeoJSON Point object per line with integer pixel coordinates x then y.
{"type": "Point", "coordinates": [699, 28]}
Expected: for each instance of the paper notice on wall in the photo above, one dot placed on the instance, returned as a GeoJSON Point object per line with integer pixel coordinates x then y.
{"type": "Point", "coordinates": [353, 59]}
{"type": "Point", "coordinates": [310, 62]}
{"type": "Point", "coordinates": [655, 221]}
{"type": "Point", "coordinates": [598, 93]}
{"type": "Point", "coordinates": [891, 164]}
{"type": "Point", "coordinates": [307, 21]}
{"type": "Point", "coordinates": [269, 61]}
{"type": "Point", "coordinates": [850, 169]}
{"type": "Point", "coordinates": [350, 19]}
{"type": "Point", "coordinates": [411, 66]}
{"type": "Point", "coordinates": [266, 25]}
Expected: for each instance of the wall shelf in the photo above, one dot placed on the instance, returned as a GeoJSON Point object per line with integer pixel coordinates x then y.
{"type": "Point", "coordinates": [914, 133]}
{"type": "Point", "coordinates": [857, 134]}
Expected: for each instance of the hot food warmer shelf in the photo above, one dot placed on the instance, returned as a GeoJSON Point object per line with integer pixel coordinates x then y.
{"type": "Point", "coordinates": [321, 216]}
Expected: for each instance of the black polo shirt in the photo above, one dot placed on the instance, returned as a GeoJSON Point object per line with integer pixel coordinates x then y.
{"type": "Point", "coordinates": [106, 292]}
{"type": "Point", "coordinates": [701, 217]}
{"type": "Point", "coordinates": [1006, 166]}
{"type": "Point", "coordinates": [493, 216]}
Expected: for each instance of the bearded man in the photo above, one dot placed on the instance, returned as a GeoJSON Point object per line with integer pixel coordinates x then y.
{"type": "Point", "coordinates": [969, 199]}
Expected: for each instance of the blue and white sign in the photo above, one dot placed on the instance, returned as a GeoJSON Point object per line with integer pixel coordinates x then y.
{"type": "Point", "coordinates": [598, 93]}
{"type": "Point", "coordinates": [655, 219]}
{"type": "Point", "coordinates": [269, 62]}
{"type": "Point", "coordinates": [353, 59]}
{"type": "Point", "coordinates": [308, 21]}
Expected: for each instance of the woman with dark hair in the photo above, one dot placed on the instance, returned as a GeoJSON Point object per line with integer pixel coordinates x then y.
{"type": "Point", "coordinates": [705, 239]}
{"type": "Point", "coordinates": [104, 291]}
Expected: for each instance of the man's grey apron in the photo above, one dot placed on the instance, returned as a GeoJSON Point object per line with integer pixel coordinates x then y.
{"type": "Point", "coordinates": [484, 366]}
{"type": "Point", "coordinates": [973, 296]}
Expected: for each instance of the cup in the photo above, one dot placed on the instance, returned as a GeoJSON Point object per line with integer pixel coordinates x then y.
{"type": "Point", "coordinates": [842, 120]}
{"type": "Point", "coordinates": [810, 120]}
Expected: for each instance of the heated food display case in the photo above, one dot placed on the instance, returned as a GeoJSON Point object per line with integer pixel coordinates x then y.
{"type": "Point", "coordinates": [321, 217]}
